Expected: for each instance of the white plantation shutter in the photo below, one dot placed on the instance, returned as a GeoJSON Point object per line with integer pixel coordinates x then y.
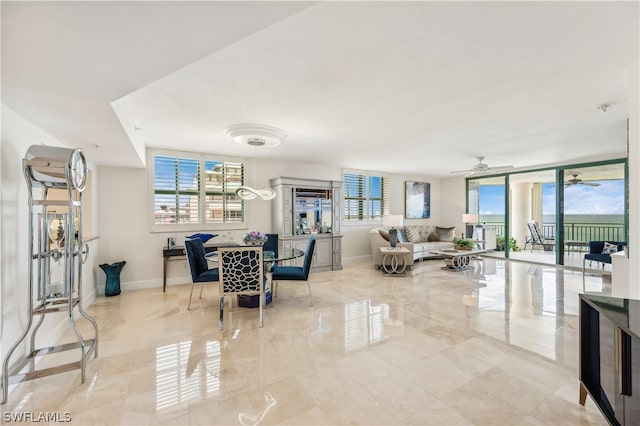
{"type": "Point", "coordinates": [221, 202]}
{"type": "Point", "coordinates": [190, 191]}
{"type": "Point", "coordinates": [366, 196]}
{"type": "Point", "coordinates": [176, 190]}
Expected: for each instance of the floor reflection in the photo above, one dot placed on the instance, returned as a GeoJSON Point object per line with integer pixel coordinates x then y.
{"type": "Point", "coordinates": [496, 344]}
{"type": "Point", "coordinates": [186, 370]}
{"type": "Point", "coordinates": [245, 418]}
{"type": "Point", "coordinates": [530, 303]}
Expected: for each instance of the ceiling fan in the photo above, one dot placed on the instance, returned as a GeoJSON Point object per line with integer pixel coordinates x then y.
{"type": "Point", "coordinates": [481, 167]}
{"type": "Point", "coordinates": [576, 181]}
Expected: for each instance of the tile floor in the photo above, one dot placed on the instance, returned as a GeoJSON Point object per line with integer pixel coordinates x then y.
{"type": "Point", "coordinates": [497, 345]}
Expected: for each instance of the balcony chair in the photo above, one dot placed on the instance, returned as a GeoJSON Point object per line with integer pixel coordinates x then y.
{"type": "Point", "coordinates": [200, 272]}
{"type": "Point", "coordinates": [241, 273]}
{"type": "Point", "coordinates": [537, 238]}
{"type": "Point", "coordinates": [295, 273]}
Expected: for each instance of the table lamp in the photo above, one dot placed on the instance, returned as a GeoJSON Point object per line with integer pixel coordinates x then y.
{"type": "Point", "coordinates": [392, 220]}
{"type": "Point", "coordinates": [470, 219]}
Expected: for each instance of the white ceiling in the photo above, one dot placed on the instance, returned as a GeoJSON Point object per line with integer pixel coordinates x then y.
{"type": "Point", "coordinates": [403, 87]}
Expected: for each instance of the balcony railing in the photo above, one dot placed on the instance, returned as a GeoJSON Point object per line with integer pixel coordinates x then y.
{"type": "Point", "coordinates": [576, 231]}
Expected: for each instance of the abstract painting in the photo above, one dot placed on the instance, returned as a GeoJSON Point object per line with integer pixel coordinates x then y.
{"type": "Point", "coordinates": [417, 198]}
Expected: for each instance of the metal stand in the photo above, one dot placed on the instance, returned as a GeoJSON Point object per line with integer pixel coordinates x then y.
{"type": "Point", "coordinates": [56, 256]}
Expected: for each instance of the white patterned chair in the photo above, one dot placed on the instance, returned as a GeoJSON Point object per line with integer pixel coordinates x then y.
{"type": "Point", "coordinates": [241, 272]}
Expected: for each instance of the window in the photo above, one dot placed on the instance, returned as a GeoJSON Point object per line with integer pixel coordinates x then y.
{"type": "Point", "coordinates": [193, 192]}
{"type": "Point", "coordinates": [366, 196]}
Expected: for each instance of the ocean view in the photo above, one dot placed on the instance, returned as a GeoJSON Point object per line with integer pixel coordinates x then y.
{"type": "Point", "coordinates": [570, 218]}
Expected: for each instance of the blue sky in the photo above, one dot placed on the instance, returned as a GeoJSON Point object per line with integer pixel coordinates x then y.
{"type": "Point", "coordinates": [608, 198]}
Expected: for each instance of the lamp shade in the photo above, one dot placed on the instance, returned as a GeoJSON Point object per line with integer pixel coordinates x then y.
{"type": "Point", "coordinates": [392, 220]}
{"type": "Point", "coordinates": [470, 218]}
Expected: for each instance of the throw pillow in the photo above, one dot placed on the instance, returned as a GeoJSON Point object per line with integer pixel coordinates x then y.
{"type": "Point", "coordinates": [425, 233]}
{"type": "Point", "coordinates": [413, 233]}
{"type": "Point", "coordinates": [384, 233]}
{"type": "Point", "coordinates": [446, 234]}
{"type": "Point", "coordinates": [609, 248]}
{"type": "Point", "coordinates": [402, 236]}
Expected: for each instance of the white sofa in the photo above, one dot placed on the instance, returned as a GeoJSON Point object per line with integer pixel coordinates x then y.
{"type": "Point", "coordinates": [422, 239]}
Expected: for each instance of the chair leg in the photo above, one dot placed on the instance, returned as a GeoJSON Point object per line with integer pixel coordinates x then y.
{"type": "Point", "coordinates": [310, 297]}
{"type": "Point", "coordinates": [584, 266]}
{"type": "Point", "coordinates": [274, 287]}
{"type": "Point", "coordinates": [220, 325]}
{"type": "Point", "coordinates": [201, 288]}
{"type": "Point", "coordinates": [190, 295]}
{"type": "Point", "coordinates": [262, 300]}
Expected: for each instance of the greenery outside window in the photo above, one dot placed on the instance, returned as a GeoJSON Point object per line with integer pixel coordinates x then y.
{"type": "Point", "coordinates": [366, 196]}
{"type": "Point", "coordinates": [195, 192]}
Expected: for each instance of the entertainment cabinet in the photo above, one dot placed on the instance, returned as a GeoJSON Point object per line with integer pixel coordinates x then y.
{"type": "Point", "coordinates": [305, 208]}
{"type": "Point", "coordinates": [610, 356]}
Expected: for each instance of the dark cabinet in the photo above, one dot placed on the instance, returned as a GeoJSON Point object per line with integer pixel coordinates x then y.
{"type": "Point", "coordinates": [610, 356]}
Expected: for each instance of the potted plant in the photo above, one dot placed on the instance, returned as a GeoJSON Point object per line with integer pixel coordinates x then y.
{"type": "Point", "coordinates": [463, 244]}
{"type": "Point", "coordinates": [500, 244]}
{"type": "Point", "coordinates": [254, 238]}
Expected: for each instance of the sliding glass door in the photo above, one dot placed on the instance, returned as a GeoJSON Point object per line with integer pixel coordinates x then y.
{"type": "Point", "coordinates": [566, 206]}
{"type": "Point", "coordinates": [487, 198]}
{"type": "Point", "coordinates": [594, 203]}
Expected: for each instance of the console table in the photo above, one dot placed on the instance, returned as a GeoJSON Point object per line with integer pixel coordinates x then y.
{"type": "Point", "coordinates": [178, 253]}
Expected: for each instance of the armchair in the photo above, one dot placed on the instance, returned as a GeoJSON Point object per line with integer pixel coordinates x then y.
{"type": "Point", "coordinates": [596, 249]}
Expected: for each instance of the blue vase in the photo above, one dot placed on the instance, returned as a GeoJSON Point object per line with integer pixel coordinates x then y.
{"type": "Point", "coordinates": [112, 285]}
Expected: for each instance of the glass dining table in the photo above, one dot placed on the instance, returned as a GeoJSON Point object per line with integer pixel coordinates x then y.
{"type": "Point", "coordinates": [268, 257]}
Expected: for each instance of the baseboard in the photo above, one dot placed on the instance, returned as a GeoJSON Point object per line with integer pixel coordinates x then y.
{"type": "Point", "coordinates": [154, 283]}
{"type": "Point", "coordinates": [356, 259]}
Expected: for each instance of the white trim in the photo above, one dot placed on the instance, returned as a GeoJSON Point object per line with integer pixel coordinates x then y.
{"type": "Point", "coordinates": [385, 207]}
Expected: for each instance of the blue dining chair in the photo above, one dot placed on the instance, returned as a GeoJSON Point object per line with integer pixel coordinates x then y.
{"type": "Point", "coordinates": [271, 245]}
{"type": "Point", "coordinates": [295, 273]}
{"type": "Point", "coordinates": [200, 272]}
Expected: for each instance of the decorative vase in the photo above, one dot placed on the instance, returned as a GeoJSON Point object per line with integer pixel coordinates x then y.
{"type": "Point", "coordinates": [463, 248]}
{"type": "Point", "coordinates": [254, 238]}
{"type": "Point", "coordinates": [393, 237]}
{"type": "Point", "coordinates": [112, 284]}
{"type": "Point", "coordinates": [254, 242]}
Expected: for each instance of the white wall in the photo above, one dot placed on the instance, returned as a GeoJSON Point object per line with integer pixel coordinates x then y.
{"type": "Point", "coordinates": [634, 181]}
{"type": "Point", "coordinates": [125, 230]}
{"type": "Point", "coordinates": [453, 201]}
{"type": "Point", "coordinates": [18, 135]}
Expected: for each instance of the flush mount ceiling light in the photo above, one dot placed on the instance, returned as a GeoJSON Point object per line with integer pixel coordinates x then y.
{"type": "Point", "coordinates": [255, 134]}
